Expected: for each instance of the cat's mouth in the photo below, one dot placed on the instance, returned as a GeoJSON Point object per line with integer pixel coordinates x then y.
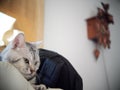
{"type": "Point", "coordinates": [30, 76]}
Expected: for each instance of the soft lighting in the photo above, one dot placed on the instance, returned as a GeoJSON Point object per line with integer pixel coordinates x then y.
{"type": "Point", "coordinates": [6, 23]}
{"type": "Point", "coordinates": [15, 33]}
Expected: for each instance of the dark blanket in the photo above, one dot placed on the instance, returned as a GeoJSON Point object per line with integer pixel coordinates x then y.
{"type": "Point", "coordinates": [57, 72]}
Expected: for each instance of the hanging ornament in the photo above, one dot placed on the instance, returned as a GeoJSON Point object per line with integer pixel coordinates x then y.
{"type": "Point", "coordinates": [98, 28]}
{"type": "Point", "coordinates": [96, 53]}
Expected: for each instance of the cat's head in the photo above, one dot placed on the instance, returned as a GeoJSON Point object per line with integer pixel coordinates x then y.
{"type": "Point", "coordinates": [23, 55]}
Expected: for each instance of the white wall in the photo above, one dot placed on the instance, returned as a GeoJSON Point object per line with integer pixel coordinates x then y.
{"type": "Point", "coordinates": [65, 32]}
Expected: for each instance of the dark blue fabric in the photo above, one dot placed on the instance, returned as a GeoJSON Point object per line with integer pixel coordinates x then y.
{"type": "Point", "coordinates": [57, 72]}
{"type": "Point", "coordinates": [50, 72]}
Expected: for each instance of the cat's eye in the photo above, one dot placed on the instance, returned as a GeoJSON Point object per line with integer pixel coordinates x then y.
{"type": "Point", "coordinates": [26, 60]}
{"type": "Point", "coordinates": [36, 63]}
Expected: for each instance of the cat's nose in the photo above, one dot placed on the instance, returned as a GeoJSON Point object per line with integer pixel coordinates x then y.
{"type": "Point", "coordinates": [32, 70]}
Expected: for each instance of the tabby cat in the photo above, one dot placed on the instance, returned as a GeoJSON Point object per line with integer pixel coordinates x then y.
{"type": "Point", "coordinates": [25, 57]}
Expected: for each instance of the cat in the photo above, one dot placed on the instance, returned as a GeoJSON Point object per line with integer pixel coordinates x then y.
{"type": "Point", "coordinates": [25, 57]}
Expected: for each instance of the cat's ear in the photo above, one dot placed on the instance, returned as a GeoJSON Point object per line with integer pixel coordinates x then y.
{"type": "Point", "coordinates": [37, 43]}
{"type": "Point", "coordinates": [19, 41]}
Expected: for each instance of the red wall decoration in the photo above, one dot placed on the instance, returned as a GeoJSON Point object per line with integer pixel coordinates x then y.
{"type": "Point", "coordinates": [98, 28]}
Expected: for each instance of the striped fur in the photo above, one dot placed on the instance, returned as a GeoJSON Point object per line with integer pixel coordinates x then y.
{"type": "Point", "coordinates": [25, 57]}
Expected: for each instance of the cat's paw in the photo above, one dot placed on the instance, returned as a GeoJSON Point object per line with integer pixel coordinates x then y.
{"type": "Point", "coordinates": [40, 87]}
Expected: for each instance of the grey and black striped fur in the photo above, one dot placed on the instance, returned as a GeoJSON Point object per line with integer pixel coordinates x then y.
{"type": "Point", "coordinates": [25, 57]}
